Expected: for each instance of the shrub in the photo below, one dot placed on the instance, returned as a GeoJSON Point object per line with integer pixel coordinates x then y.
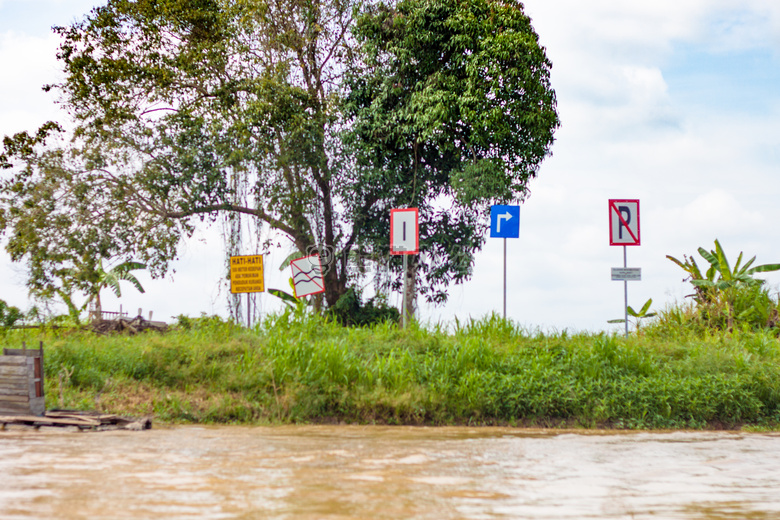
{"type": "Point", "coordinates": [727, 297]}
{"type": "Point", "coordinates": [9, 315]}
{"type": "Point", "coordinates": [350, 311]}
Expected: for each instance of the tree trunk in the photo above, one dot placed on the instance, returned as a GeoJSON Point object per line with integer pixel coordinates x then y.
{"type": "Point", "coordinates": [98, 307]}
{"type": "Point", "coordinates": [334, 288]}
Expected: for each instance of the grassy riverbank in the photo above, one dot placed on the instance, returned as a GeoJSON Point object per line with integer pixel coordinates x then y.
{"type": "Point", "coordinates": [488, 371]}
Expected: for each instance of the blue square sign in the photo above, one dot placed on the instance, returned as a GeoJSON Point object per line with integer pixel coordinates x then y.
{"type": "Point", "coordinates": [505, 221]}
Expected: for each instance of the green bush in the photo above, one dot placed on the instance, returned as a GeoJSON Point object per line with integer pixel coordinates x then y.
{"type": "Point", "coordinates": [731, 297]}
{"type": "Point", "coordinates": [9, 315]}
{"type": "Point", "coordinates": [351, 311]}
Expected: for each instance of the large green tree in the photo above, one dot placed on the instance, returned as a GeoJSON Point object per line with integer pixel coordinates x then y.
{"type": "Point", "coordinates": [451, 110]}
{"type": "Point", "coordinates": [64, 224]}
{"type": "Point", "coordinates": [290, 112]}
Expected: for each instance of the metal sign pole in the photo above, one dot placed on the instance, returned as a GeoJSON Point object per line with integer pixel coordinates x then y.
{"type": "Point", "coordinates": [248, 312]}
{"type": "Point", "coordinates": [504, 223]}
{"type": "Point", "coordinates": [404, 240]}
{"type": "Point", "coordinates": [403, 298]}
{"type": "Point", "coordinates": [625, 291]}
{"type": "Point", "coordinates": [504, 278]}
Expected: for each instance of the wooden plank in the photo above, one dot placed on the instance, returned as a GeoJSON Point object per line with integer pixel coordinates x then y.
{"type": "Point", "coordinates": [103, 418]}
{"type": "Point", "coordinates": [13, 381]}
{"type": "Point", "coordinates": [13, 399]}
{"type": "Point", "coordinates": [14, 410]}
{"type": "Point", "coordinates": [77, 413]}
{"type": "Point", "coordinates": [13, 377]}
{"type": "Point", "coordinates": [9, 370]}
{"type": "Point", "coordinates": [30, 352]}
{"type": "Point", "coordinates": [11, 353]}
{"type": "Point", "coordinates": [14, 391]}
{"type": "Point", "coordinates": [42, 420]}
{"type": "Point", "coordinates": [24, 398]}
{"type": "Point", "coordinates": [13, 361]}
{"type": "Point", "coordinates": [14, 405]}
{"type": "Point", "coordinates": [11, 385]}
{"type": "Point", "coordinates": [14, 396]}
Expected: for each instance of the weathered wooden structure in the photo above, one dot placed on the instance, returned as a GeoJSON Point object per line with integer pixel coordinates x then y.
{"type": "Point", "coordinates": [81, 420]}
{"type": "Point", "coordinates": [21, 381]}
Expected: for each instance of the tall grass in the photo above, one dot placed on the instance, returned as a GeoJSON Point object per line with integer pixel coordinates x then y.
{"type": "Point", "coordinates": [300, 368]}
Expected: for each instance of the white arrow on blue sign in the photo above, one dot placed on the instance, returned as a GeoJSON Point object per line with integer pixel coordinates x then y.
{"type": "Point", "coordinates": [504, 221]}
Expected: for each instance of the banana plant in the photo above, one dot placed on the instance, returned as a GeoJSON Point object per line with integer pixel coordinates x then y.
{"type": "Point", "coordinates": [642, 314]}
{"type": "Point", "coordinates": [720, 276]}
{"type": "Point", "coordinates": [290, 300]}
{"type": "Point", "coordinates": [109, 279]}
{"type": "Point", "coordinates": [721, 287]}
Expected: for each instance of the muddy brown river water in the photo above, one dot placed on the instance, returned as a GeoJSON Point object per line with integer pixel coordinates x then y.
{"type": "Point", "coordinates": [350, 472]}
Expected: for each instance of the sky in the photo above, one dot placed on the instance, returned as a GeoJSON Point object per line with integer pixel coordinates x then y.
{"type": "Point", "coordinates": [675, 103]}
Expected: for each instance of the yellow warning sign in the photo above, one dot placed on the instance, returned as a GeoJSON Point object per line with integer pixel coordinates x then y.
{"type": "Point", "coordinates": [246, 274]}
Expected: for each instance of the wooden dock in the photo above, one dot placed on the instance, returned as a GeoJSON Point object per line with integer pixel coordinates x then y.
{"type": "Point", "coordinates": [81, 420]}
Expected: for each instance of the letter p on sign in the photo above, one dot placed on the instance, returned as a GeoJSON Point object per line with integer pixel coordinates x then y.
{"type": "Point", "coordinates": [624, 222]}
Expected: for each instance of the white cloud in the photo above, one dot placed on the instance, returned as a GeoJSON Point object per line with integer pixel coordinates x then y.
{"type": "Point", "coordinates": [714, 212]}
{"type": "Point", "coordinates": [28, 63]}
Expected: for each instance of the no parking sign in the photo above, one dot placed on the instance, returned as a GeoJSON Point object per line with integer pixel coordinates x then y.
{"type": "Point", "coordinates": [624, 222]}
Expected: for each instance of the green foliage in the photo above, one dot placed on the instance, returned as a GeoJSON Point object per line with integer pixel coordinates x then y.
{"type": "Point", "coordinates": [351, 311]}
{"type": "Point", "coordinates": [57, 227]}
{"type": "Point", "coordinates": [185, 111]}
{"type": "Point", "coordinates": [297, 306]}
{"type": "Point", "coordinates": [313, 118]}
{"type": "Point", "coordinates": [110, 279]}
{"type": "Point", "coordinates": [452, 111]}
{"type": "Point", "coordinates": [304, 368]}
{"type": "Point", "coordinates": [288, 299]}
{"type": "Point", "coordinates": [729, 297]}
{"type": "Point", "coordinates": [9, 315]}
{"type": "Point", "coordinates": [643, 313]}
{"type": "Point", "coordinates": [206, 325]}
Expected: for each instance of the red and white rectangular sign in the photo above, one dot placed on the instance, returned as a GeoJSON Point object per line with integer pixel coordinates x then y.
{"type": "Point", "coordinates": [404, 232]}
{"type": "Point", "coordinates": [624, 222]}
{"type": "Point", "coordinates": [307, 276]}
